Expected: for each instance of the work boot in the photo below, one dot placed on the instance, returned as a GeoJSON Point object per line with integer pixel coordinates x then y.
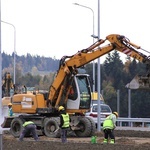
{"type": "Point", "coordinates": [105, 141]}
{"type": "Point", "coordinates": [112, 141]}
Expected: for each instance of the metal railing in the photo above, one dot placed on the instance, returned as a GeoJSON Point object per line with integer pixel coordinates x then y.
{"type": "Point", "coordinates": [133, 122]}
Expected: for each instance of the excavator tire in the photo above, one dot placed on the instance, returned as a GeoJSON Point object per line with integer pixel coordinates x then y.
{"type": "Point", "coordinates": [93, 126]}
{"type": "Point", "coordinates": [45, 120]}
{"type": "Point", "coordinates": [51, 127]}
{"type": "Point", "coordinates": [16, 127]}
{"type": "Point", "coordinates": [85, 127]}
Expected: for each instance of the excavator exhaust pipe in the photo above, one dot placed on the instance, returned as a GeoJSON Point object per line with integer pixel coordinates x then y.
{"type": "Point", "coordinates": [139, 82]}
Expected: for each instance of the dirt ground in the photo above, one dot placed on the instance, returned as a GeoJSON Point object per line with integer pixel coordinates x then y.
{"type": "Point", "coordinates": [125, 140]}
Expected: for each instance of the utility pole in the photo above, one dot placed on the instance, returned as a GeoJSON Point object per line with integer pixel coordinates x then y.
{"type": "Point", "coordinates": [99, 74]}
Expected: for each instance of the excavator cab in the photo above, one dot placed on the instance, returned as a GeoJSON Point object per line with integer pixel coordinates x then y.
{"type": "Point", "coordinates": [139, 82]}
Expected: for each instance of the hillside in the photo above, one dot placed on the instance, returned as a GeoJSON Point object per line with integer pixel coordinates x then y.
{"type": "Point", "coordinates": [28, 63]}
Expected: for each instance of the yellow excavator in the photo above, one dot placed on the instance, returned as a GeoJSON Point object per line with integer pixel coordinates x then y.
{"type": "Point", "coordinates": [7, 84]}
{"type": "Point", "coordinates": [71, 90]}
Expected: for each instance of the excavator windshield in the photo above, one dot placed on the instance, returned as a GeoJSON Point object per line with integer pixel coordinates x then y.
{"type": "Point", "coordinates": [85, 92]}
{"type": "Point", "coordinates": [79, 97]}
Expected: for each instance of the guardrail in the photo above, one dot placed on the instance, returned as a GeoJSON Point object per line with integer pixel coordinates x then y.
{"type": "Point", "coordinates": [133, 122]}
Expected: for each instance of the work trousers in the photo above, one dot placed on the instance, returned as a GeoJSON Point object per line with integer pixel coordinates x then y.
{"type": "Point", "coordinates": [109, 133]}
{"type": "Point", "coordinates": [31, 129]}
{"type": "Point", "coordinates": [64, 135]}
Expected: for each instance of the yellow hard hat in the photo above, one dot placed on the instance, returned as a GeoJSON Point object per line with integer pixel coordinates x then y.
{"type": "Point", "coordinates": [61, 108]}
{"type": "Point", "coordinates": [116, 114]}
{"type": "Point", "coordinates": [9, 104]}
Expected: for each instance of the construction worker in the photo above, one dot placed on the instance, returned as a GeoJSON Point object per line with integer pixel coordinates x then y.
{"type": "Point", "coordinates": [28, 127]}
{"type": "Point", "coordinates": [109, 125]}
{"type": "Point", "coordinates": [10, 111]}
{"type": "Point", "coordinates": [64, 123]}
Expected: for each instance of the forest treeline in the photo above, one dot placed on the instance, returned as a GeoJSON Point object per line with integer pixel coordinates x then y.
{"type": "Point", "coordinates": [28, 62]}
{"type": "Point", "coordinates": [39, 72]}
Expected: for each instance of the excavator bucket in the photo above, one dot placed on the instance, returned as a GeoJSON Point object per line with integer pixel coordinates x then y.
{"type": "Point", "coordinates": [139, 82]}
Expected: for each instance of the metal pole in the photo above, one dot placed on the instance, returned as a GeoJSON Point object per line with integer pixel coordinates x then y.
{"type": "Point", "coordinates": [1, 139]}
{"type": "Point", "coordinates": [129, 105]}
{"type": "Point", "coordinates": [118, 101]}
{"type": "Point", "coordinates": [14, 48]}
{"type": "Point", "coordinates": [1, 146]}
{"type": "Point", "coordinates": [99, 74]}
{"type": "Point", "coordinates": [0, 68]}
{"type": "Point", "coordinates": [93, 41]}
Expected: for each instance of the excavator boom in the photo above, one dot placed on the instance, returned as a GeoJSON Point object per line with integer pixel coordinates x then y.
{"type": "Point", "coordinates": [69, 64]}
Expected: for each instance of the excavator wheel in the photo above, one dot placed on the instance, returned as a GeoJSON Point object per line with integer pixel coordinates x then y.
{"type": "Point", "coordinates": [93, 126]}
{"type": "Point", "coordinates": [51, 127]}
{"type": "Point", "coordinates": [16, 127]}
{"type": "Point", "coordinates": [45, 120]}
{"type": "Point", "coordinates": [85, 128]}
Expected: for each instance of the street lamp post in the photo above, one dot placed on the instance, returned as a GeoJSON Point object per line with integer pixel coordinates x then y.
{"type": "Point", "coordinates": [14, 48]}
{"type": "Point", "coordinates": [93, 41]}
{"type": "Point", "coordinates": [0, 68]}
{"type": "Point", "coordinates": [99, 74]}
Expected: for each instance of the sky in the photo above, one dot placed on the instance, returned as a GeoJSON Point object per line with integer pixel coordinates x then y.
{"type": "Point", "coordinates": [54, 28]}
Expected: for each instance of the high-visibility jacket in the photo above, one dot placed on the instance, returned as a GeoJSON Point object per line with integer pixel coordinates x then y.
{"type": "Point", "coordinates": [109, 122]}
{"type": "Point", "coordinates": [66, 120]}
{"type": "Point", "coordinates": [27, 123]}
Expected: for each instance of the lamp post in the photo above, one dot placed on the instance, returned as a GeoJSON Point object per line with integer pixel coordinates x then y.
{"type": "Point", "coordinates": [99, 74]}
{"type": "Point", "coordinates": [14, 48]}
{"type": "Point", "coordinates": [93, 41]}
{"type": "Point", "coordinates": [0, 68]}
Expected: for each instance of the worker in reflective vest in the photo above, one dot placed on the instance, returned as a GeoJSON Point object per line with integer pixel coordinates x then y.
{"type": "Point", "coordinates": [29, 127]}
{"type": "Point", "coordinates": [64, 123]}
{"type": "Point", "coordinates": [10, 111]}
{"type": "Point", "coordinates": [109, 125]}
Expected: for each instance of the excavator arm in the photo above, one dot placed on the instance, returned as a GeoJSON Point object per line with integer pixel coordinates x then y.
{"type": "Point", "coordinates": [69, 64]}
{"type": "Point", "coordinates": [7, 85]}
